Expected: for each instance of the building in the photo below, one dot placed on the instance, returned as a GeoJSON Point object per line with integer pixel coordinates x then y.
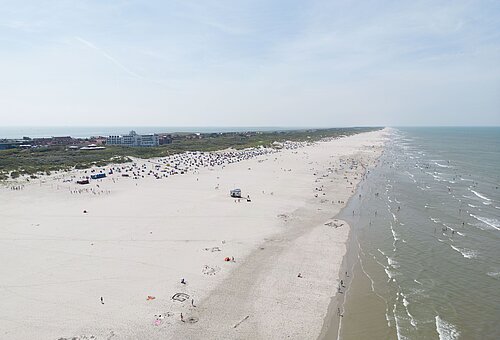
{"type": "Point", "coordinates": [53, 141]}
{"type": "Point", "coordinates": [165, 139]}
{"type": "Point", "coordinates": [133, 139]}
{"type": "Point", "coordinates": [8, 145]}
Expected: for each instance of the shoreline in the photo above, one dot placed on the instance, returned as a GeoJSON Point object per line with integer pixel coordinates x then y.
{"type": "Point", "coordinates": [275, 285]}
{"type": "Point", "coordinates": [333, 320]}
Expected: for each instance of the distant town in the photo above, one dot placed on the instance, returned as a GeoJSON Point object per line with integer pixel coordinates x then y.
{"type": "Point", "coordinates": [36, 156]}
{"type": "Point", "coordinates": [132, 139]}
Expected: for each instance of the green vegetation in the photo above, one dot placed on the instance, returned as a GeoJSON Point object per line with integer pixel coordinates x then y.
{"type": "Point", "coordinates": [16, 162]}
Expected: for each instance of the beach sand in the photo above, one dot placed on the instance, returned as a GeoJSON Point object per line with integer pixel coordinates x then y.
{"type": "Point", "coordinates": [140, 237]}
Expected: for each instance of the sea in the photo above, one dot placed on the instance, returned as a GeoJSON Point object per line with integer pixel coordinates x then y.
{"type": "Point", "coordinates": [423, 258]}
{"type": "Point", "coordinates": [18, 132]}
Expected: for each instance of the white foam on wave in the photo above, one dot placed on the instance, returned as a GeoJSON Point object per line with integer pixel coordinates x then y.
{"type": "Point", "coordinates": [446, 330]}
{"type": "Point", "coordinates": [390, 274]}
{"type": "Point", "coordinates": [388, 318]}
{"type": "Point", "coordinates": [381, 252]}
{"type": "Point", "coordinates": [478, 194]}
{"type": "Point", "coordinates": [398, 327]}
{"type": "Point", "coordinates": [472, 205]}
{"type": "Point", "coordinates": [435, 220]}
{"type": "Point", "coordinates": [436, 177]}
{"type": "Point", "coordinates": [495, 275]}
{"type": "Point", "coordinates": [395, 236]}
{"type": "Point", "coordinates": [494, 223]}
{"type": "Point", "coordinates": [393, 263]}
{"type": "Point", "coordinates": [394, 217]}
{"type": "Point", "coordinates": [467, 253]}
{"type": "Point", "coordinates": [406, 304]}
{"type": "Point", "coordinates": [442, 165]}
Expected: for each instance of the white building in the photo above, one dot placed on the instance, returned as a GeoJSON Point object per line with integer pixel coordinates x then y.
{"type": "Point", "coordinates": [133, 139]}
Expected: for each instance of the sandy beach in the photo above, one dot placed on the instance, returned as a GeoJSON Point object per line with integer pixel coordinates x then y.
{"type": "Point", "coordinates": [166, 253]}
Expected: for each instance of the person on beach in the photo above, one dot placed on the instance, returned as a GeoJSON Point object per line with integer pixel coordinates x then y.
{"type": "Point", "coordinates": [102, 301]}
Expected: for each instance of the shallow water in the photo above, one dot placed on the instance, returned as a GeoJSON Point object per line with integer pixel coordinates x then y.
{"type": "Point", "coordinates": [428, 231]}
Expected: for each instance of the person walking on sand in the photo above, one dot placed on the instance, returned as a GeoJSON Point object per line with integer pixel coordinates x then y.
{"type": "Point", "coordinates": [102, 301]}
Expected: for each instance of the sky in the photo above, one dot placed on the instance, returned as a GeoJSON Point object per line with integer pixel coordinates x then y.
{"type": "Point", "coordinates": [249, 63]}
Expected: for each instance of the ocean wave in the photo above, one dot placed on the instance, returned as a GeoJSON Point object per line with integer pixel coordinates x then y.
{"type": "Point", "coordinates": [446, 330]}
{"type": "Point", "coordinates": [467, 253]}
{"type": "Point", "coordinates": [494, 223]}
{"type": "Point", "coordinates": [394, 217]}
{"type": "Point", "coordinates": [390, 274]}
{"type": "Point", "coordinates": [393, 263]}
{"type": "Point", "coordinates": [436, 177]}
{"type": "Point", "coordinates": [398, 327]}
{"type": "Point", "coordinates": [394, 234]}
{"type": "Point", "coordinates": [388, 318]}
{"type": "Point", "coordinates": [478, 194]}
{"type": "Point", "coordinates": [406, 304]}
{"type": "Point", "coordinates": [435, 220]}
{"type": "Point", "coordinates": [442, 165]}
{"type": "Point", "coordinates": [495, 275]}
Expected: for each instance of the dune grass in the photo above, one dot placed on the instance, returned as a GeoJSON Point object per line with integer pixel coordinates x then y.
{"type": "Point", "coordinates": [43, 160]}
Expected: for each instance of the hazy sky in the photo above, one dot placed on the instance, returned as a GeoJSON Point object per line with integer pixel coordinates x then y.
{"type": "Point", "coordinates": [249, 63]}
